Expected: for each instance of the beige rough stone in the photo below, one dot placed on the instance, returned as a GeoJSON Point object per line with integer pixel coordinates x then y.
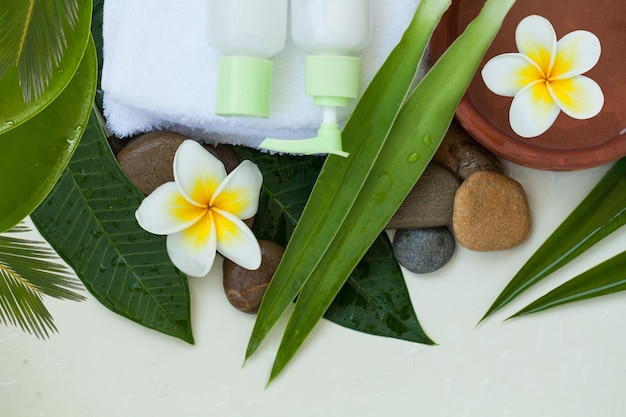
{"type": "Point", "coordinates": [491, 213]}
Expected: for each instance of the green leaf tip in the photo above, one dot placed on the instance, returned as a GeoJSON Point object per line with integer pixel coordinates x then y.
{"type": "Point", "coordinates": [608, 277]}
{"type": "Point", "coordinates": [599, 214]}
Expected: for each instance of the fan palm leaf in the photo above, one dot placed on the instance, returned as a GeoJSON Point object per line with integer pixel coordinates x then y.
{"type": "Point", "coordinates": [33, 38]}
{"type": "Point", "coordinates": [28, 272]}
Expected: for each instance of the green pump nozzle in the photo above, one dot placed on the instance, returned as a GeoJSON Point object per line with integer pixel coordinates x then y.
{"type": "Point", "coordinates": [332, 80]}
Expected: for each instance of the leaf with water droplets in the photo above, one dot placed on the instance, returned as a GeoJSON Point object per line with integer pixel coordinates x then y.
{"type": "Point", "coordinates": [374, 299]}
{"type": "Point", "coordinates": [124, 267]}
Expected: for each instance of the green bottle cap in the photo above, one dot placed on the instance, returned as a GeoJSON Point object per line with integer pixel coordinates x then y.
{"type": "Point", "coordinates": [243, 86]}
{"type": "Point", "coordinates": [332, 80]}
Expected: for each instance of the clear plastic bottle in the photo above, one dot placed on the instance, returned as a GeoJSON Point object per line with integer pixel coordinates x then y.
{"type": "Point", "coordinates": [332, 33]}
{"type": "Point", "coordinates": [246, 33]}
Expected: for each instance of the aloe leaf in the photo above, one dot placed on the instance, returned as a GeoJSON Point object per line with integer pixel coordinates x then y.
{"type": "Point", "coordinates": [341, 179]}
{"type": "Point", "coordinates": [35, 153]}
{"type": "Point", "coordinates": [606, 278]}
{"type": "Point", "coordinates": [374, 299]}
{"type": "Point", "coordinates": [601, 212]}
{"type": "Point", "coordinates": [41, 46]}
{"type": "Point", "coordinates": [413, 140]}
{"type": "Point", "coordinates": [88, 218]}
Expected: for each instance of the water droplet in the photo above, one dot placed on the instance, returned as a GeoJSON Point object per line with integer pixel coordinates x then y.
{"type": "Point", "coordinates": [96, 233]}
{"type": "Point", "coordinates": [82, 175]}
{"type": "Point", "coordinates": [8, 124]}
{"type": "Point", "coordinates": [414, 157]}
{"type": "Point", "coordinates": [427, 140]}
{"type": "Point", "coordinates": [118, 261]}
{"type": "Point", "coordinates": [88, 193]}
{"type": "Point", "coordinates": [102, 268]}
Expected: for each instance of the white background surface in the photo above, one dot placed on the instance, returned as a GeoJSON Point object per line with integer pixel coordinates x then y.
{"type": "Point", "coordinates": [570, 361]}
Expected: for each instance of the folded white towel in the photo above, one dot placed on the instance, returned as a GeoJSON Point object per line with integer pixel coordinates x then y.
{"type": "Point", "coordinates": [160, 73]}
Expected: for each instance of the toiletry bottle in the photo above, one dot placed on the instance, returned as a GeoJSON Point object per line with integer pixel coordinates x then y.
{"type": "Point", "coordinates": [246, 33]}
{"type": "Point", "coordinates": [332, 32]}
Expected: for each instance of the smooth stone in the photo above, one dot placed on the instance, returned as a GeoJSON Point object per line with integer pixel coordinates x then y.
{"type": "Point", "coordinates": [245, 288]}
{"type": "Point", "coordinates": [423, 250]}
{"type": "Point", "coordinates": [224, 154]}
{"type": "Point", "coordinates": [429, 204]}
{"type": "Point", "coordinates": [148, 159]}
{"type": "Point", "coordinates": [491, 213]}
{"type": "Point", "coordinates": [463, 156]}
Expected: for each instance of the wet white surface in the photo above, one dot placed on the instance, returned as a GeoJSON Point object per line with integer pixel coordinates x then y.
{"type": "Point", "coordinates": [570, 361]}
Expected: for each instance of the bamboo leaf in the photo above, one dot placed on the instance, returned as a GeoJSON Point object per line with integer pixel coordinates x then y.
{"type": "Point", "coordinates": [600, 213]}
{"type": "Point", "coordinates": [41, 47]}
{"type": "Point", "coordinates": [35, 153]}
{"type": "Point", "coordinates": [606, 278]}
{"type": "Point", "coordinates": [28, 271]}
{"type": "Point", "coordinates": [375, 299]}
{"type": "Point", "coordinates": [340, 180]}
{"type": "Point", "coordinates": [88, 218]}
{"type": "Point", "coordinates": [415, 136]}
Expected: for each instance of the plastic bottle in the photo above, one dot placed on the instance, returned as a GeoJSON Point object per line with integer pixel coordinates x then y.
{"type": "Point", "coordinates": [246, 33]}
{"type": "Point", "coordinates": [332, 32]}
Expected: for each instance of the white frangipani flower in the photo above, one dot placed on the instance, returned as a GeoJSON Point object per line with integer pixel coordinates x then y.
{"type": "Point", "coordinates": [202, 211]}
{"type": "Point", "coordinates": [545, 76]}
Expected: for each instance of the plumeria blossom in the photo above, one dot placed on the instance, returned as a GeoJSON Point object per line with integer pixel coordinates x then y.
{"type": "Point", "coordinates": [203, 209]}
{"type": "Point", "coordinates": [545, 76]}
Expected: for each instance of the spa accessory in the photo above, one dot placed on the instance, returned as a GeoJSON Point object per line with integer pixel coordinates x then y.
{"type": "Point", "coordinates": [332, 33]}
{"type": "Point", "coordinates": [247, 33]}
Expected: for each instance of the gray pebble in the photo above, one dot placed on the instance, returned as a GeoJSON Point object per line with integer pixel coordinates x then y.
{"type": "Point", "coordinates": [423, 250]}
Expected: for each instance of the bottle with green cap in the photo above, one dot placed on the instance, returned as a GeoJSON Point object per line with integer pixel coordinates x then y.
{"type": "Point", "coordinates": [332, 32]}
{"type": "Point", "coordinates": [246, 33]}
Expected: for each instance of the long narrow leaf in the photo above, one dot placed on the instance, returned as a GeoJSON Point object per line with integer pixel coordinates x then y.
{"type": "Point", "coordinates": [606, 278]}
{"type": "Point", "coordinates": [416, 134]}
{"type": "Point", "coordinates": [88, 218]}
{"type": "Point", "coordinates": [341, 179]}
{"type": "Point", "coordinates": [601, 213]}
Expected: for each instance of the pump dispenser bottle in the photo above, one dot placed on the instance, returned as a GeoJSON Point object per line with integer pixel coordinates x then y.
{"type": "Point", "coordinates": [246, 33]}
{"type": "Point", "coordinates": [332, 32]}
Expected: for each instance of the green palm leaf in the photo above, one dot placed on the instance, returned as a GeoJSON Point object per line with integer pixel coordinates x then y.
{"type": "Point", "coordinates": [28, 271]}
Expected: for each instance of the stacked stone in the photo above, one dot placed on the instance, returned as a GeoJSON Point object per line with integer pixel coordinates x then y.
{"type": "Point", "coordinates": [463, 196]}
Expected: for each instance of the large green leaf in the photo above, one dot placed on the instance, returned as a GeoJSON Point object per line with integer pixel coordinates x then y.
{"type": "Point", "coordinates": [340, 180]}
{"type": "Point", "coordinates": [416, 134]}
{"type": "Point", "coordinates": [28, 271]}
{"type": "Point", "coordinates": [35, 153]}
{"type": "Point", "coordinates": [601, 212]}
{"type": "Point", "coordinates": [375, 299]}
{"type": "Point", "coordinates": [41, 46]}
{"type": "Point", "coordinates": [88, 218]}
{"type": "Point", "coordinates": [606, 278]}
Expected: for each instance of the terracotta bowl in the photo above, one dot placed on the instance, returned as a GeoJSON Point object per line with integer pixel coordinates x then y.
{"type": "Point", "coordinates": [569, 144]}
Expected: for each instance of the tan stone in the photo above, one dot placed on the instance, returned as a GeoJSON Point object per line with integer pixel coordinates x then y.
{"type": "Point", "coordinates": [490, 212]}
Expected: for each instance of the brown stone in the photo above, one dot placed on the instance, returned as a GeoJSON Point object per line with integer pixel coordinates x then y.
{"type": "Point", "coordinates": [147, 160]}
{"type": "Point", "coordinates": [429, 204]}
{"type": "Point", "coordinates": [463, 156]}
{"type": "Point", "coordinates": [490, 212]}
{"type": "Point", "coordinates": [245, 288]}
{"type": "Point", "coordinates": [224, 154]}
